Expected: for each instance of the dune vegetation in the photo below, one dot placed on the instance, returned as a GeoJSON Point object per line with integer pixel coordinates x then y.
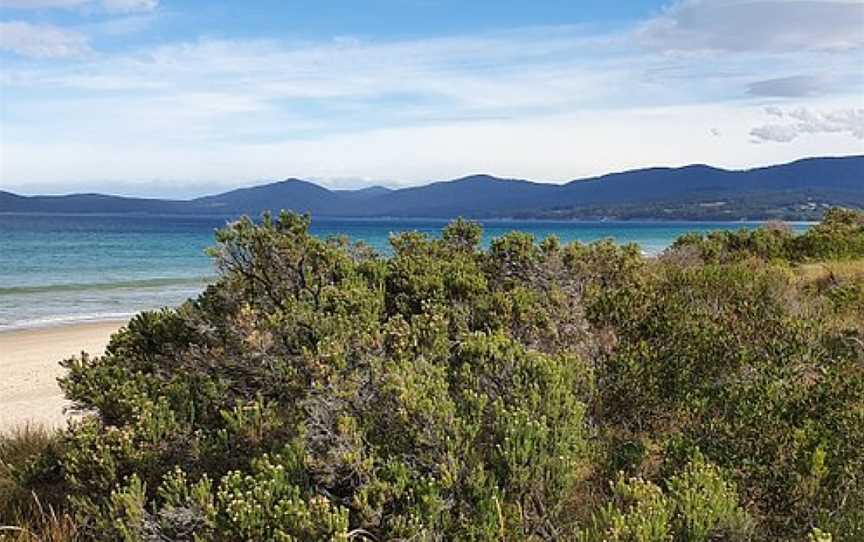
{"type": "Point", "coordinates": [527, 391]}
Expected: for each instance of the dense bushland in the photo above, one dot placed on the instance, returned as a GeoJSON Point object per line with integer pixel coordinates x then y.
{"type": "Point", "coordinates": [531, 391]}
{"type": "Point", "coordinates": [839, 236]}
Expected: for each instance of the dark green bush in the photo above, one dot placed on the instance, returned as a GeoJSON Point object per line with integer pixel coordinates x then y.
{"type": "Point", "coordinates": [532, 391]}
{"type": "Point", "coordinates": [839, 236]}
{"type": "Point", "coordinates": [439, 393]}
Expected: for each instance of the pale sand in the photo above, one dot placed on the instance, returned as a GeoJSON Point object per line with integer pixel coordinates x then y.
{"type": "Point", "coordinates": [29, 367]}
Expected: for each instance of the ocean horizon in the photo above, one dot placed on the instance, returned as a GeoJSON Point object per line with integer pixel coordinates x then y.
{"type": "Point", "coordinates": [60, 269]}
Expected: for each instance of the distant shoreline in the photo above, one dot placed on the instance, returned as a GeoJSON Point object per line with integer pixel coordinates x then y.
{"type": "Point", "coordinates": [432, 219]}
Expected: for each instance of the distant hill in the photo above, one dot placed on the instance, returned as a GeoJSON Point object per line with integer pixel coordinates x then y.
{"type": "Point", "coordinates": [87, 203]}
{"type": "Point", "coordinates": [798, 190]}
{"type": "Point", "coordinates": [477, 195]}
{"type": "Point", "coordinates": [366, 193]}
{"type": "Point", "coordinates": [290, 193]}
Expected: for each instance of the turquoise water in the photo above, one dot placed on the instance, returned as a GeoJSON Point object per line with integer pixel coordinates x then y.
{"type": "Point", "coordinates": [63, 268]}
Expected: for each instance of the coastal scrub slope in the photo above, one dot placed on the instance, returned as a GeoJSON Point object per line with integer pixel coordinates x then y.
{"type": "Point", "coordinates": [531, 391]}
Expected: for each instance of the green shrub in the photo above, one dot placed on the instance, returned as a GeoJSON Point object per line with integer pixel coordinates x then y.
{"type": "Point", "coordinates": [840, 236]}
{"type": "Point", "coordinates": [440, 393]}
{"type": "Point", "coordinates": [698, 505]}
{"type": "Point", "coordinates": [531, 391]}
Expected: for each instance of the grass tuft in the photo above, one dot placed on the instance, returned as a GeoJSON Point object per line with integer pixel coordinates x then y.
{"type": "Point", "coordinates": [30, 512]}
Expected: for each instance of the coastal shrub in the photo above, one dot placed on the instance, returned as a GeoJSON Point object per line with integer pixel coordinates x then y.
{"type": "Point", "coordinates": [728, 360]}
{"type": "Point", "coordinates": [441, 392]}
{"type": "Point", "coordinates": [263, 505]}
{"type": "Point", "coordinates": [769, 242]}
{"type": "Point", "coordinates": [840, 236]}
{"type": "Point", "coordinates": [697, 505]}
{"type": "Point", "coordinates": [530, 391]}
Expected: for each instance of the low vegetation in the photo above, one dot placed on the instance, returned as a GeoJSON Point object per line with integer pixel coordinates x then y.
{"type": "Point", "coordinates": [530, 391]}
{"type": "Point", "coordinates": [32, 496]}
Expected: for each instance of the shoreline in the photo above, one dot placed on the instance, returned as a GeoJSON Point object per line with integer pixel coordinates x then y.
{"type": "Point", "coordinates": [438, 219]}
{"type": "Point", "coordinates": [29, 368]}
{"type": "Point", "coordinates": [52, 323]}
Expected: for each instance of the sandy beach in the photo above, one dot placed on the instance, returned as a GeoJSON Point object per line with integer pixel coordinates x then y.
{"type": "Point", "coordinates": [29, 368]}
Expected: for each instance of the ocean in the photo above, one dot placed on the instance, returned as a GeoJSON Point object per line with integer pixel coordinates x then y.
{"type": "Point", "coordinates": [73, 268]}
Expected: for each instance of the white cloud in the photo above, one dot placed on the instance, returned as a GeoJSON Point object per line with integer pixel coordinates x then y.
{"type": "Point", "coordinates": [41, 41]}
{"type": "Point", "coordinates": [123, 6]}
{"type": "Point", "coordinates": [804, 121]}
{"type": "Point", "coordinates": [543, 103]}
{"type": "Point", "coordinates": [461, 77]}
{"type": "Point", "coordinates": [778, 133]}
{"type": "Point", "coordinates": [40, 4]}
{"type": "Point", "coordinates": [757, 25]}
{"type": "Point", "coordinates": [550, 147]}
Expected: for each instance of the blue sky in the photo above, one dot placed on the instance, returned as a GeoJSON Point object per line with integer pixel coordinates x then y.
{"type": "Point", "coordinates": [164, 97]}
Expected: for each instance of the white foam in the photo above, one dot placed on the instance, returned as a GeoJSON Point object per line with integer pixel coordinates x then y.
{"type": "Point", "coordinates": [57, 321]}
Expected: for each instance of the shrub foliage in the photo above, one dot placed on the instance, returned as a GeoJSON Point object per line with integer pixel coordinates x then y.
{"type": "Point", "coordinates": [531, 391]}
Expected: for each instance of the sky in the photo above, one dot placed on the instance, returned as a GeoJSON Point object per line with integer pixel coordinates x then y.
{"type": "Point", "coordinates": [184, 97]}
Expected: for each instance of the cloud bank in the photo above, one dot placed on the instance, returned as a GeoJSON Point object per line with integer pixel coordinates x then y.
{"type": "Point", "coordinates": [803, 121]}
{"type": "Point", "coordinates": [757, 25]}
{"type": "Point", "coordinates": [689, 85]}
{"type": "Point", "coordinates": [41, 41]}
{"type": "Point", "coordinates": [121, 6]}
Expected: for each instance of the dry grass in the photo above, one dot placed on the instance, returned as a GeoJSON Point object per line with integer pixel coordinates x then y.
{"type": "Point", "coordinates": [17, 449]}
{"type": "Point", "coordinates": [48, 526]}
{"type": "Point", "coordinates": [840, 287]}
{"type": "Point", "coordinates": [25, 516]}
{"type": "Point", "coordinates": [824, 273]}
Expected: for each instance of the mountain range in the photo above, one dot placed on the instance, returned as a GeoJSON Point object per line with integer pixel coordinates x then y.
{"type": "Point", "coordinates": [796, 190]}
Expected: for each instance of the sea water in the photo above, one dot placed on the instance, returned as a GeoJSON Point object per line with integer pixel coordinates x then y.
{"type": "Point", "coordinates": [68, 268]}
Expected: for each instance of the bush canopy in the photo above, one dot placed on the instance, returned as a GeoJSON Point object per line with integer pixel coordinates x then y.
{"type": "Point", "coordinates": [528, 391]}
